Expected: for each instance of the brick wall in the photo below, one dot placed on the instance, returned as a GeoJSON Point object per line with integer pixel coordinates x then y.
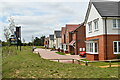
{"type": "Point", "coordinates": [102, 47]}
{"type": "Point", "coordinates": [80, 37]}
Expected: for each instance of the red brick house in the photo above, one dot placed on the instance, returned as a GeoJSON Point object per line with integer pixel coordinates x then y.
{"type": "Point", "coordinates": [77, 43]}
{"type": "Point", "coordinates": [63, 40]}
{"type": "Point", "coordinates": [67, 36]}
{"type": "Point", "coordinates": [102, 30]}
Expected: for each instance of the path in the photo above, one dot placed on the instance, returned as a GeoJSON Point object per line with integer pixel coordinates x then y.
{"type": "Point", "coordinates": [47, 54]}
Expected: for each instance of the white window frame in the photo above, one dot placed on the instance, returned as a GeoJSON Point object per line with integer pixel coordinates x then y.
{"type": "Point", "coordinates": [96, 27]}
{"type": "Point", "coordinates": [117, 23]}
{"type": "Point", "coordinates": [93, 47]}
{"type": "Point", "coordinates": [90, 27]}
{"type": "Point", "coordinates": [117, 47]}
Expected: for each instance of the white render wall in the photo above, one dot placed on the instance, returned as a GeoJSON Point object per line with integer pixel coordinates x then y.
{"type": "Point", "coordinates": [101, 24]}
{"type": "Point", "coordinates": [57, 42]}
{"type": "Point", "coordinates": [92, 16]}
{"type": "Point", "coordinates": [110, 29]}
{"type": "Point", "coordinates": [51, 43]}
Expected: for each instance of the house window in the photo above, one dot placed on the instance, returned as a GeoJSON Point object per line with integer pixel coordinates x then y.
{"type": "Point", "coordinates": [96, 47]}
{"type": "Point", "coordinates": [66, 47]}
{"type": "Point", "coordinates": [92, 47]}
{"type": "Point", "coordinates": [116, 23]}
{"type": "Point", "coordinates": [116, 46]}
{"type": "Point", "coordinates": [90, 26]}
{"type": "Point", "coordinates": [96, 24]}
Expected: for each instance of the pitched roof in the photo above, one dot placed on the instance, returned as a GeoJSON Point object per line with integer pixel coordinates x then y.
{"type": "Point", "coordinates": [105, 9]}
{"type": "Point", "coordinates": [57, 34]}
{"type": "Point", "coordinates": [71, 27]}
{"type": "Point", "coordinates": [108, 9]}
{"type": "Point", "coordinates": [82, 24]}
{"type": "Point", "coordinates": [51, 37]}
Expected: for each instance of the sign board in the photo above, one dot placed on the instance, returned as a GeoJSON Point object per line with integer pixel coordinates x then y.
{"type": "Point", "coordinates": [18, 32]}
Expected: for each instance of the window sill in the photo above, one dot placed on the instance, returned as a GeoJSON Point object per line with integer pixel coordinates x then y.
{"type": "Point", "coordinates": [96, 30]}
{"type": "Point", "coordinates": [116, 52]}
{"type": "Point", "coordinates": [90, 31]}
{"type": "Point", "coordinates": [91, 53]}
{"type": "Point", "coordinates": [116, 28]}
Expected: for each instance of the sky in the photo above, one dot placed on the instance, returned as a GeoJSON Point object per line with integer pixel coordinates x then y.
{"type": "Point", "coordinates": [41, 17]}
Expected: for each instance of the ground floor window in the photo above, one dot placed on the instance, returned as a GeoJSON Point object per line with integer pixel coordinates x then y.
{"type": "Point", "coordinates": [92, 47]}
{"type": "Point", "coordinates": [116, 46]}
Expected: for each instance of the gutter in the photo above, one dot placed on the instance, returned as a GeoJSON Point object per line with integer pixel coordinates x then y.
{"type": "Point", "coordinates": [106, 38]}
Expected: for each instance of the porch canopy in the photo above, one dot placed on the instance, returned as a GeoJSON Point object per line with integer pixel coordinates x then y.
{"type": "Point", "coordinates": [72, 43]}
{"type": "Point", "coordinates": [92, 40]}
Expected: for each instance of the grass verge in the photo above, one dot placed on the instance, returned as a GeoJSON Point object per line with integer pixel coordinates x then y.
{"type": "Point", "coordinates": [25, 64]}
{"type": "Point", "coordinates": [61, 53]}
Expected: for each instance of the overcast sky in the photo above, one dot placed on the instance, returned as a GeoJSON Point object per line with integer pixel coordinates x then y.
{"type": "Point", "coordinates": [39, 18]}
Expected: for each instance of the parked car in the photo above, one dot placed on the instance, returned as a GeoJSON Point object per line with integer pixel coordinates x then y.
{"type": "Point", "coordinates": [83, 54]}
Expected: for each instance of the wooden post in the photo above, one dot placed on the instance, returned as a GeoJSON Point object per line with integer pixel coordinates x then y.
{"type": "Point", "coordinates": [78, 61]}
{"type": "Point", "coordinates": [110, 63]}
{"type": "Point", "coordinates": [72, 60]}
{"type": "Point", "coordinates": [58, 60]}
{"type": "Point", "coordinates": [86, 63]}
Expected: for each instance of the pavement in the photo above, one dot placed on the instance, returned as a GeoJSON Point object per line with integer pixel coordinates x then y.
{"type": "Point", "coordinates": [47, 54]}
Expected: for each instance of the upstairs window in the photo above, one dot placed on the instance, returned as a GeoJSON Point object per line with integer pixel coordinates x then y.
{"type": "Point", "coordinates": [96, 24]}
{"type": "Point", "coordinates": [90, 26]}
{"type": "Point", "coordinates": [116, 23]}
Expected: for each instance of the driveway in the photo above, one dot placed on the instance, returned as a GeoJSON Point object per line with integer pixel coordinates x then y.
{"type": "Point", "coordinates": [47, 54]}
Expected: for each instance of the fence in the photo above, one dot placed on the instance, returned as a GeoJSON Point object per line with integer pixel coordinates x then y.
{"type": "Point", "coordinates": [85, 62]}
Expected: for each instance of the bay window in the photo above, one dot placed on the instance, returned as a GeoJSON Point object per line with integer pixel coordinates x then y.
{"type": "Point", "coordinates": [92, 47]}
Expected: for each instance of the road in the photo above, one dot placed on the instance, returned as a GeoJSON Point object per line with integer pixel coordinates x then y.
{"type": "Point", "coordinates": [47, 54]}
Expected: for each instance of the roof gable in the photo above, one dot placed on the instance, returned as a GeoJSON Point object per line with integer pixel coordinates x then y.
{"type": "Point", "coordinates": [57, 34]}
{"type": "Point", "coordinates": [105, 9]}
{"type": "Point", "coordinates": [51, 37]}
{"type": "Point", "coordinates": [71, 27]}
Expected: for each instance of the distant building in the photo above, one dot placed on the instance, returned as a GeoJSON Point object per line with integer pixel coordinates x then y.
{"type": "Point", "coordinates": [46, 42]}
{"type": "Point", "coordinates": [51, 41]}
{"type": "Point", "coordinates": [57, 39]}
{"type": "Point", "coordinates": [67, 36]}
{"type": "Point", "coordinates": [77, 43]}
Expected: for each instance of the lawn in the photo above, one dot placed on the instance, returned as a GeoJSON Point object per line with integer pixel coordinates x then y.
{"type": "Point", "coordinates": [25, 64]}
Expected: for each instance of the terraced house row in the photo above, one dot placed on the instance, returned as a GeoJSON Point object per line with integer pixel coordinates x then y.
{"type": "Point", "coordinates": [98, 35]}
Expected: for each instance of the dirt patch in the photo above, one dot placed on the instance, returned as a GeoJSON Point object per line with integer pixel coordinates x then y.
{"type": "Point", "coordinates": [109, 66]}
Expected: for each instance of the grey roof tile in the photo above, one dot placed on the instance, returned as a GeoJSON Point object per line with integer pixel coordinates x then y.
{"type": "Point", "coordinates": [108, 9]}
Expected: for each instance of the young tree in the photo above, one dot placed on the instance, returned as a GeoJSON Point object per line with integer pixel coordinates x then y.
{"type": "Point", "coordinates": [11, 25]}
{"type": "Point", "coordinates": [9, 30]}
{"type": "Point", "coordinates": [6, 34]}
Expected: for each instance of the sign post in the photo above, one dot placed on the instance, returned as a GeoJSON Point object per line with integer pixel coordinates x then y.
{"type": "Point", "coordinates": [18, 36]}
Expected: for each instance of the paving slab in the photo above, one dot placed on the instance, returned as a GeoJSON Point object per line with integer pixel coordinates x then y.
{"type": "Point", "coordinates": [47, 54]}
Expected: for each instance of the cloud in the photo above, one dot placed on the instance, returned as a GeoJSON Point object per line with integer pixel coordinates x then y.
{"type": "Point", "coordinates": [42, 18]}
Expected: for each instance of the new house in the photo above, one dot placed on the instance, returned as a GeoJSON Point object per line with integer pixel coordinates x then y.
{"type": "Point", "coordinates": [46, 42]}
{"type": "Point", "coordinates": [77, 43]}
{"type": "Point", "coordinates": [57, 39]}
{"type": "Point", "coordinates": [51, 41]}
{"type": "Point", "coordinates": [67, 36]}
{"type": "Point", "coordinates": [102, 30]}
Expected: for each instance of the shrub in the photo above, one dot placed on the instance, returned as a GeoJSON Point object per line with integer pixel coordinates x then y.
{"type": "Point", "coordinates": [72, 53]}
{"type": "Point", "coordinates": [117, 56]}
